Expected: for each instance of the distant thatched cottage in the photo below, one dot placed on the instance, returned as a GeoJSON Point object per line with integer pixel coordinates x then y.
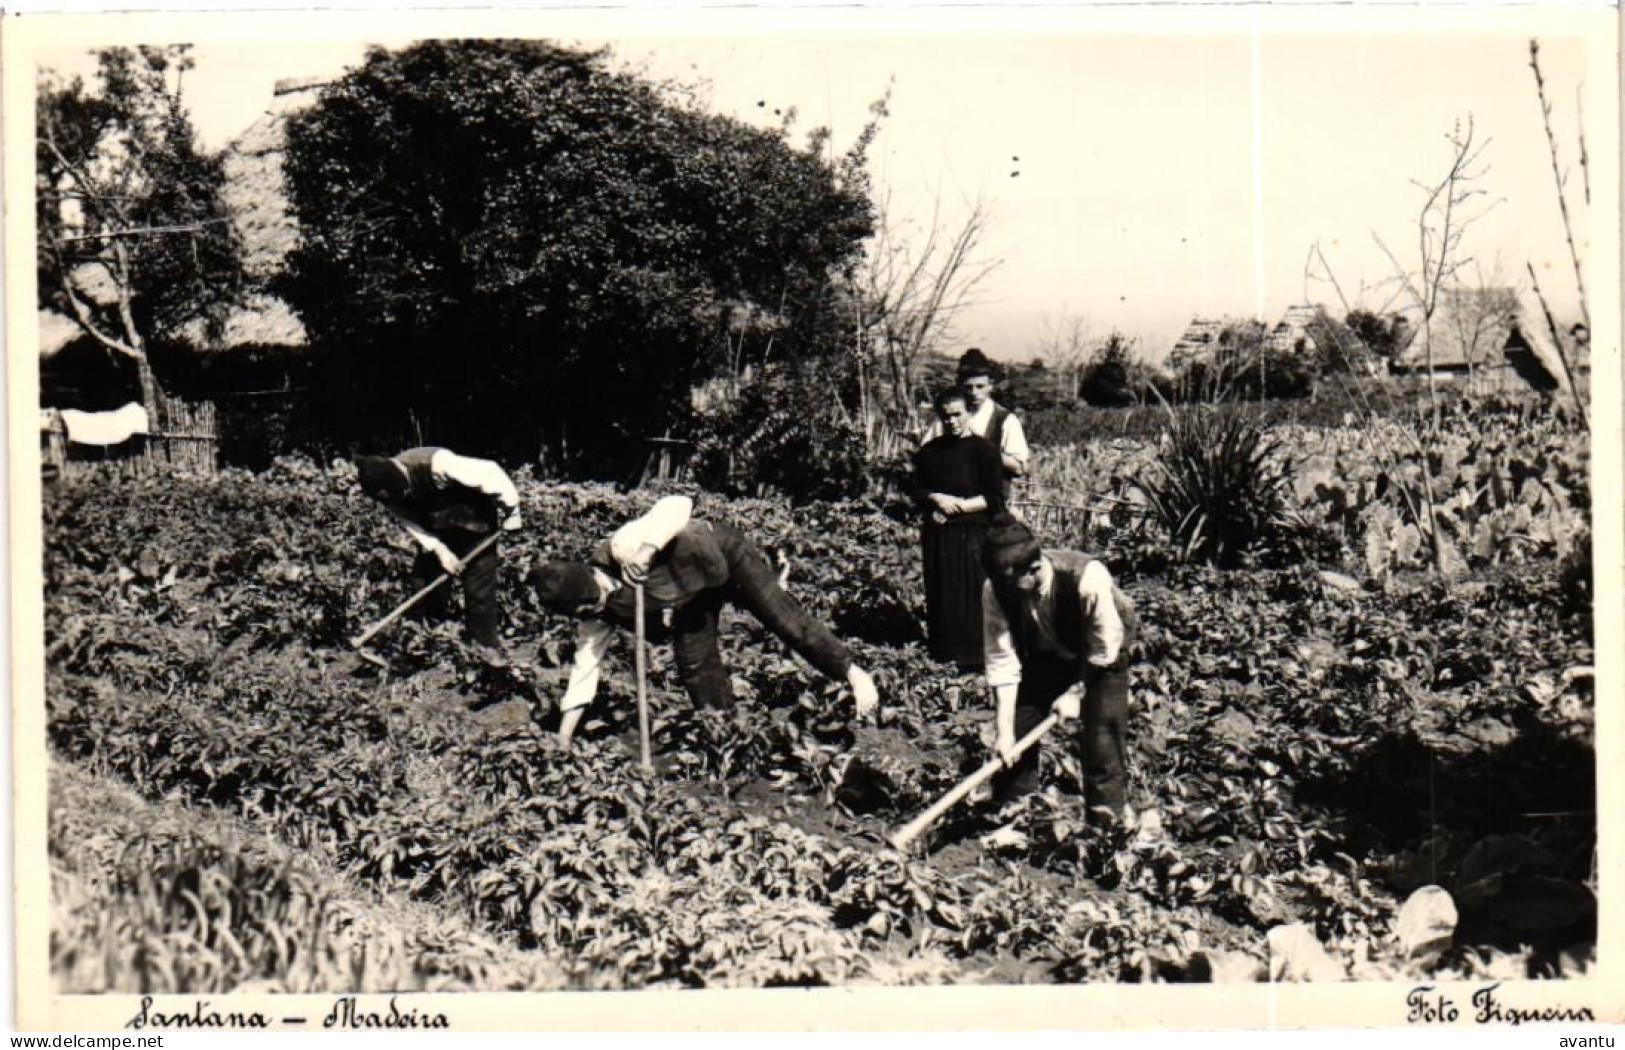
{"type": "Point", "coordinates": [1309, 330]}
{"type": "Point", "coordinates": [1297, 329]}
{"type": "Point", "coordinates": [1199, 341]}
{"type": "Point", "coordinates": [77, 371]}
{"type": "Point", "coordinates": [1491, 340]}
{"type": "Point", "coordinates": [256, 194]}
{"type": "Point", "coordinates": [257, 359]}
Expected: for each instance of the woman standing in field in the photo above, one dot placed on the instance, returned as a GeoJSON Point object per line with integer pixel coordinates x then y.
{"type": "Point", "coordinates": [958, 481]}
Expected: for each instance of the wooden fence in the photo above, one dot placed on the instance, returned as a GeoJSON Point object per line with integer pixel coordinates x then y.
{"type": "Point", "coordinates": [1053, 522]}
{"type": "Point", "coordinates": [1071, 524]}
{"type": "Point", "coordinates": [667, 460]}
{"type": "Point", "coordinates": [188, 443]}
{"type": "Point", "coordinates": [53, 448]}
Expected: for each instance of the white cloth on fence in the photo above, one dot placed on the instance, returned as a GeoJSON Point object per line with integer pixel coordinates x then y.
{"type": "Point", "coordinates": [105, 428]}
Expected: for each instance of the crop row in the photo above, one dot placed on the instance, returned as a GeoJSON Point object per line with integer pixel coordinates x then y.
{"type": "Point", "coordinates": [1493, 484]}
{"type": "Point", "coordinates": [160, 898]}
{"type": "Point", "coordinates": [194, 652]}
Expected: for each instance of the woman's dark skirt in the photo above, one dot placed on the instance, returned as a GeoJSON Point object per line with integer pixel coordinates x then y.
{"type": "Point", "coordinates": [953, 591]}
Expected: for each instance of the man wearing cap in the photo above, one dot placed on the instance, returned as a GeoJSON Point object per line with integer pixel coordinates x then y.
{"type": "Point", "coordinates": [689, 569]}
{"type": "Point", "coordinates": [449, 504]}
{"type": "Point", "coordinates": [988, 418]}
{"type": "Point", "coordinates": [1057, 636]}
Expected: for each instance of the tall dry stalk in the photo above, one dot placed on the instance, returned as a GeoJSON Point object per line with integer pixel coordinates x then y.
{"type": "Point", "coordinates": [1561, 181]}
{"type": "Point", "coordinates": [1441, 228]}
{"type": "Point", "coordinates": [1450, 207]}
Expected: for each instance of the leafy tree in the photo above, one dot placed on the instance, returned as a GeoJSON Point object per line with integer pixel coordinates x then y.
{"type": "Point", "coordinates": [1064, 347]}
{"type": "Point", "coordinates": [1113, 378]}
{"type": "Point", "coordinates": [1241, 337]}
{"type": "Point", "coordinates": [134, 242]}
{"type": "Point", "coordinates": [1378, 333]}
{"type": "Point", "coordinates": [785, 432]}
{"type": "Point", "coordinates": [1027, 387]}
{"type": "Point", "coordinates": [507, 245]}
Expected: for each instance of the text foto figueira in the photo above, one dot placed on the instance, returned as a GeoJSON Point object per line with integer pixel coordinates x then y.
{"type": "Point", "coordinates": [1429, 1005]}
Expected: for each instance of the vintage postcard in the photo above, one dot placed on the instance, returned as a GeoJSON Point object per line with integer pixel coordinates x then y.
{"type": "Point", "coordinates": [862, 518]}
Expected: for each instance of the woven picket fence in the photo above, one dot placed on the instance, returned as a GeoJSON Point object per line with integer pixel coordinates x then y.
{"type": "Point", "coordinates": [188, 442]}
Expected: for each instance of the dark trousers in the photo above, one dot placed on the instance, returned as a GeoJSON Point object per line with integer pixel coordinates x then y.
{"type": "Point", "coordinates": [1100, 734]}
{"type": "Point", "coordinates": [482, 614]}
{"type": "Point", "coordinates": [751, 585]}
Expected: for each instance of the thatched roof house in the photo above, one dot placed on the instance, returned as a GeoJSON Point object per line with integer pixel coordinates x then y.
{"type": "Point", "coordinates": [1494, 341]}
{"type": "Point", "coordinates": [262, 326]}
{"type": "Point", "coordinates": [56, 331]}
{"type": "Point", "coordinates": [1309, 330]}
{"type": "Point", "coordinates": [1200, 340]}
{"type": "Point", "coordinates": [256, 195]}
{"type": "Point", "coordinates": [1303, 328]}
{"type": "Point", "coordinates": [1295, 331]}
{"type": "Point", "coordinates": [75, 370]}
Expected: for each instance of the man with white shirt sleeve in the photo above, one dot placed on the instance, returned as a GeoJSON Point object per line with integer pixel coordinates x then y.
{"type": "Point", "coordinates": [689, 569]}
{"type": "Point", "coordinates": [633, 544]}
{"type": "Point", "coordinates": [1057, 636]}
{"type": "Point", "coordinates": [449, 504]}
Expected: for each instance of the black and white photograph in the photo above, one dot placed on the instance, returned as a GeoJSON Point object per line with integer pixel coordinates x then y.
{"type": "Point", "coordinates": [815, 503]}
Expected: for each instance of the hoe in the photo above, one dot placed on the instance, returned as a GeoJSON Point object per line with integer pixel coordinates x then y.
{"type": "Point", "coordinates": [360, 641]}
{"type": "Point", "coordinates": [903, 836]}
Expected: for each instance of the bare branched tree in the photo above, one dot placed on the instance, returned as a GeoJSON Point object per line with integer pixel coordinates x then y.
{"type": "Point", "coordinates": [914, 285]}
{"type": "Point", "coordinates": [134, 241]}
{"type": "Point", "coordinates": [1450, 207]}
{"type": "Point", "coordinates": [1065, 346]}
{"type": "Point", "coordinates": [1561, 345]}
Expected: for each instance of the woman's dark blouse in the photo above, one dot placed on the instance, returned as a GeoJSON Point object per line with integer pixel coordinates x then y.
{"type": "Point", "coordinates": [965, 467]}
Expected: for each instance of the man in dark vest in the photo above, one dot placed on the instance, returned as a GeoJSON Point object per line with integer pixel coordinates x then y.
{"type": "Point", "coordinates": [449, 504]}
{"type": "Point", "coordinates": [1057, 636]}
{"type": "Point", "coordinates": [689, 569]}
{"type": "Point", "coordinates": [988, 418]}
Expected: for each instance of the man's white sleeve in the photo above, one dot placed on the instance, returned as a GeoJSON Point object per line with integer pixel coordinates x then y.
{"type": "Point", "coordinates": [1014, 440]}
{"type": "Point", "coordinates": [483, 475]}
{"type": "Point", "coordinates": [592, 641]}
{"type": "Point", "coordinates": [1003, 666]}
{"type": "Point", "coordinates": [1103, 627]}
{"type": "Point", "coordinates": [657, 528]}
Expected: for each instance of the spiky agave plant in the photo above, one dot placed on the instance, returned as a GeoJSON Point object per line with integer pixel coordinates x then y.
{"type": "Point", "coordinates": [1220, 483]}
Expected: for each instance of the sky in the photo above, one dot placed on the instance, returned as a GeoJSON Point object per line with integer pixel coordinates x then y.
{"type": "Point", "coordinates": [1137, 174]}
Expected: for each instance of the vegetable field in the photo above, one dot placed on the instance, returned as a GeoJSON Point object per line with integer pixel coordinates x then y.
{"type": "Point", "coordinates": [238, 802]}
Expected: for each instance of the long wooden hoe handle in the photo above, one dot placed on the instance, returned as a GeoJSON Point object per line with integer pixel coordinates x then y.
{"type": "Point", "coordinates": [401, 609]}
{"type": "Point", "coordinates": [643, 679]}
{"type": "Point", "coordinates": [909, 832]}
